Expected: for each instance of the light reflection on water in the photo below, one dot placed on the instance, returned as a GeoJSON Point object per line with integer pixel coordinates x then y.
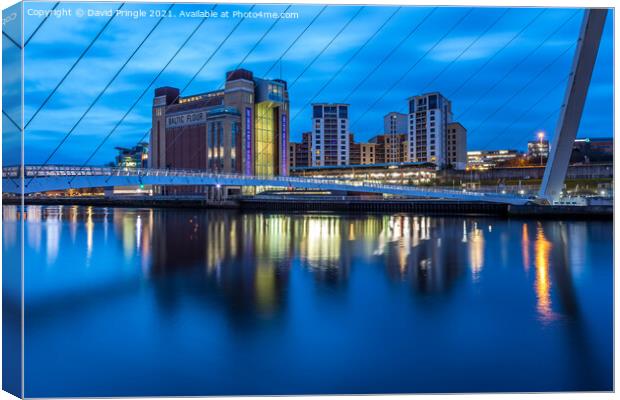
{"type": "Point", "coordinates": [469, 275]}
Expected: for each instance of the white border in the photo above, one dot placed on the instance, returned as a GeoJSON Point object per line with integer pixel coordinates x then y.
{"type": "Point", "coordinates": [484, 3]}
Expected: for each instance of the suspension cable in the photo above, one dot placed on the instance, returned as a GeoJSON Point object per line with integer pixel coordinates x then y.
{"type": "Point", "coordinates": [191, 35]}
{"type": "Point", "coordinates": [403, 76]}
{"type": "Point", "coordinates": [101, 93]}
{"type": "Point", "coordinates": [326, 46]}
{"type": "Point", "coordinates": [90, 45]}
{"type": "Point", "coordinates": [521, 62]}
{"type": "Point", "coordinates": [389, 55]}
{"type": "Point", "coordinates": [335, 75]}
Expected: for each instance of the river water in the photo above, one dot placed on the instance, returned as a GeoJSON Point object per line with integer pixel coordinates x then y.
{"type": "Point", "coordinates": [189, 302]}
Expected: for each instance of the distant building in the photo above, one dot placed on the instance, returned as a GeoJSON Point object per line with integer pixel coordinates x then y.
{"type": "Point", "coordinates": [299, 152]}
{"type": "Point", "coordinates": [368, 153]}
{"type": "Point", "coordinates": [456, 146]}
{"type": "Point", "coordinates": [354, 151]}
{"type": "Point", "coordinates": [403, 173]}
{"type": "Point", "coordinates": [590, 150]}
{"type": "Point", "coordinates": [538, 149]}
{"type": "Point", "coordinates": [429, 138]}
{"type": "Point", "coordinates": [134, 157]}
{"type": "Point", "coordinates": [485, 159]}
{"type": "Point", "coordinates": [389, 147]}
{"type": "Point", "coordinates": [395, 122]}
{"type": "Point", "coordinates": [330, 134]}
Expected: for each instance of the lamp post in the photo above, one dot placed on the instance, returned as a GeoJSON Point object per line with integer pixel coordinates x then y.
{"type": "Point", "coordinates": [541, 136]}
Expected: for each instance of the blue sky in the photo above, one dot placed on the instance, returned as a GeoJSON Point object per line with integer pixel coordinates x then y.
{"type": "Point", "coordinates": [494, 104]}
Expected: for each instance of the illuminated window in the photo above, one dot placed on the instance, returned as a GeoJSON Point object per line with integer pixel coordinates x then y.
{"type": "Point", "coordinates": [265, 132]}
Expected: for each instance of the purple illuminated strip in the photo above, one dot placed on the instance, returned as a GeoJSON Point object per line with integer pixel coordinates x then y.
{"type": "Point", "coordinates": [284, 146]}
{"type": "Point", "coordinates": [248, 141]}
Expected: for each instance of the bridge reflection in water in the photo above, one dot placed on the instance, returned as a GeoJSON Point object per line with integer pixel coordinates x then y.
{"type": "Point", "coordinates": [472, 276]}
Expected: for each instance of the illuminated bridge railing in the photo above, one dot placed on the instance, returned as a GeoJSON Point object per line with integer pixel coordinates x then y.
{"type": "Point", "coordinates": [102, 175]}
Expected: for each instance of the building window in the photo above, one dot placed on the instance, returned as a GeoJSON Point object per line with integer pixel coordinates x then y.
{"type": "Point", "coordinates": [432, 101]}
{"type": "Point", "coordinates": [317, 112]}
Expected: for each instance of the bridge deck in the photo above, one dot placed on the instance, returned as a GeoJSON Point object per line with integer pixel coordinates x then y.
{"type": "Point", "coordinates": [47, 178]}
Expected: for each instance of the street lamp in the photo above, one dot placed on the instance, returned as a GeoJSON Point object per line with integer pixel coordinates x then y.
{"type": "Point", "coordinates": [541, 136]}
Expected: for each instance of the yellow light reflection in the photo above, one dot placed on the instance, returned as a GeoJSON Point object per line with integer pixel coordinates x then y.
{"type": "Point", "coordinates": [476, 251]}
{"type": "Point", "coordinates": [525, 248]}
{"type": "Point", "coordinates": [90, 227]}
{"type": "Point", "coordinates": [542, 250]}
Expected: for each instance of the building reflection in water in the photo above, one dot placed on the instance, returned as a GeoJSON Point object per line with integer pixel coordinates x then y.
{"type": "Point", "coordinates": [426, 251]}
{"type": "Point", "coordinates": [247, 258]}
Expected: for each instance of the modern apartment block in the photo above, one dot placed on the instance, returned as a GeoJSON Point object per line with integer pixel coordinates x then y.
{"type": "Point", "coordinates": [330, 134]}
{"type": "Point", "coordinates": [395, 122]}
{"type": "Point", "coordinates": [354, 151]}
{"type": "Point", "coordinates": [242, 128]}
{"type": "Point", "coordinates": [389, 147]}
{"type": "Point", "coordinates": [368, 154]}
{"type": "Point", "coordinates": [431, 136]}
{"type": "Point", "coordinates": [456, 146]}
{"type": "Point", "coordinates": [299, 152]}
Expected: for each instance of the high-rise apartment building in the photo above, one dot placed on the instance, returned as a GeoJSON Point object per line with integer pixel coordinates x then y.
{"type": "Point", "coordinates": [395, 122]}
{"type": "Point", "coordinates": [429, 137]}
{"type": "Point", "coordinates": [330, 134]}
{"type": "Point", "coordinates": [395, 132]}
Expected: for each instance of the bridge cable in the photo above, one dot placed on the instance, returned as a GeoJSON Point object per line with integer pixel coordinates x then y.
{"type": "Point", "coordinates": [18, 128]}
{"type": "Point", "coordinates": [464, 51]}
{"type": "Point", "coordinates": [196, 153]}
{"type": "Point", "coordinates": [327, 46]}
{"type": "Point", "coordinates": [184, 129]}
{"type": "Point", "coordinates": [553, 112]}
{"type": "Point", "coordinates": [191, 35]}
{"type": "Point", "coordinates": [357, 52]}
{"type": "Point", "coordinates": [202, 67]}
{"type": "Point", "coordinates": [12, 40]}
{"type": "Point", "coordinates": [403, 76]}
{"type": "Point", "coordinates": [257, 43]}
{"type": "Point", "coordinates": [490, 59]}
{"type": "Point", "coordinates": [220, 45]}
{"type": "Point", "coordinates": [101, 93]}
{"type": "Point", "coordinates": [507, 74]}
{"type": "Point", "coordinates": [295, 41]}
{"type": "Point", "coordinates": [200, 148]}
{"type": "Point", "coordinates": [389, 55]}
{"type": "Point", "coordinates": [90, 45]}
{"type": "Point", "coordinates": [41, 24]}
{"type": "Point", "coordinates": [12, 120]}
{"type": "Point", "coordinates": [522, 88]}
{"type": "Point", "coordinates": [524, 113]}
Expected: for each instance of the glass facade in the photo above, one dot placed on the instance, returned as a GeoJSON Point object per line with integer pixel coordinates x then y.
{"type": "Point", "coordinates": [234, 129]}
{"type": "Point", "coordinates": [265, 139]}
